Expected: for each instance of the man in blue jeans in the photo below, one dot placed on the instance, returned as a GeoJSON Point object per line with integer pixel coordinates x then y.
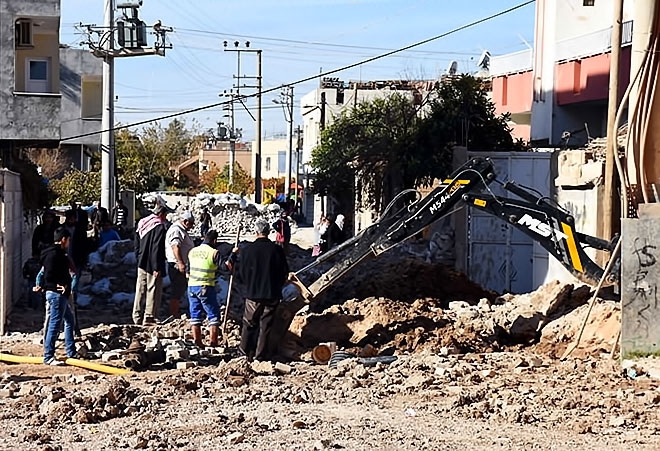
{"type": "Point", "coordinates": [57, 284]}
{"type": "Point", "coordinates": [202, 297]}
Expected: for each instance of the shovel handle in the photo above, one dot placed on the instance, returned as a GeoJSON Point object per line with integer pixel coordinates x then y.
{"type": "Point", "coordinates": [225, 338]}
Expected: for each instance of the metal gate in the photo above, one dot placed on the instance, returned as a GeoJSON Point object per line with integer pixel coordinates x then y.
{"type": "Point", "coordinates": [500, 257]}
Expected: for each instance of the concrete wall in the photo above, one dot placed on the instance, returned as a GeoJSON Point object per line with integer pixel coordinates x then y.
{"type": "Point", "coordinates": [14, 243]}
{"type": "Point", "coordinates": [28, 117]}
{"type": "Point", "coordinates": [640, 276]}
{"type": "Point", "coordinates": [579, 190]}
{"type": "Point", "coordinates": [76, 66]}
{"type": "Point", "coordinates": [578, 20]}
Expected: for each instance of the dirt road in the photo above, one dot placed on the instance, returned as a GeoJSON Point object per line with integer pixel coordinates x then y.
{"type": "Point", "coordinates": [458, 381]}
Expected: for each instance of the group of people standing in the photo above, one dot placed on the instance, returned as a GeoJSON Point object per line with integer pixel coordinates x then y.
{"type": "Point", "coordinates": [164, 249]}
{"type": "Point", "coordinates": [62, 251]}
{"type": "Point", "coordinates": [262, 269]}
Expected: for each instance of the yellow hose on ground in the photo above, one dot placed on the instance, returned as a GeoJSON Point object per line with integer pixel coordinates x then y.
{"type": "Point", "coordinates": [96, 366]}
{"type": "Point", "coordinates": [73, 362]}
{"type": "Point", "coordinates": [20, 359]}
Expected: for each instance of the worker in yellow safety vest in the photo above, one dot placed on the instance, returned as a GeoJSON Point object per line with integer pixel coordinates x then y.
{"type": "Point", "coordinates": [204, 262]}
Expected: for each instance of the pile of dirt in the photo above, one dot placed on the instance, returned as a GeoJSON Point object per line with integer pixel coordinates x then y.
{"type": "Point", "coordinates": [392, 326]}
{"type": "Point", "coordinates": [548, 319]}
{"type": "Point", "coordinates": [404, 278]}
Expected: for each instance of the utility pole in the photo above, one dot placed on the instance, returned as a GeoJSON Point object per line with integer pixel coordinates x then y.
{"type": "Point", "coordinates": [238, 86]}
{"type": "Point", "coordinates": [132, 39]}
{"type": "Point", "coordinates": [232, 132]}
{"type": "Point", "coordinates": [612, 141]}
{"type": "Point", "coordinates": [286, 100]}
{"type": "Point", "coordinates": [298, 149]}
{"type": "Point", "coordinates": [108, 190]}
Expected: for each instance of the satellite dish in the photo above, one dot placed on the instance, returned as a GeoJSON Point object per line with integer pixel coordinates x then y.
{"type": "Point", "coordinates": [452, 68]}
{"type": "Point", "coordinates": [484, 60]}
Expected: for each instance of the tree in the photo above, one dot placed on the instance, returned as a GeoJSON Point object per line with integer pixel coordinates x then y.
{"type": "Point", "coordinates": [375, 142]}
{"type": "Point", "coordinates": [462, 114]}
{"type": "Point", "coordinates": [79, 186]}
{"type": "Point", "coordinates": [216, 181]}
{"type": "Point", "coordinates": [53, 163]}
{"type": "Point", "coordinates": [390, 144]}
{"type": "Point", "coordinates": [145, 160]}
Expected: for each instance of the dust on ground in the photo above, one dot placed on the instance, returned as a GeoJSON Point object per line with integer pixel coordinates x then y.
{"type": "Point", "coordinates": [472, 370]}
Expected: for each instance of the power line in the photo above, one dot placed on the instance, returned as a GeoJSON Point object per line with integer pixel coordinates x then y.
{"type": "Point", "coordinates": [323, 44]}
{"type": "Point", "coordinates": [315, 76]}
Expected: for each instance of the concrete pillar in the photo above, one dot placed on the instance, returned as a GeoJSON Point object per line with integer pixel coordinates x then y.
{"type": "Point", "coordinates": [640, 276]}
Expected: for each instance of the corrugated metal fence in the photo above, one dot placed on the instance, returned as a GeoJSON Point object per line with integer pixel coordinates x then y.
{"type": "Point", "coordinates": [14, 243]}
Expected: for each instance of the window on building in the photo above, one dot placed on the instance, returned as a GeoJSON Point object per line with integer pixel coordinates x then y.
{"type": "Point", "coordinates": [23, 31]}
{"type": "Point", "coordinates": [37, 75]}
{"type": "Point", "coordinates": [340, 97]}
{"type": "Point", "coordinates": [91, 102]}
{"type": "Point", "coordinates": [267, 163]}
{"type": "Point", "coordinates": [281, 161]}
{"type": "Point", "coordinates": [588, 2]}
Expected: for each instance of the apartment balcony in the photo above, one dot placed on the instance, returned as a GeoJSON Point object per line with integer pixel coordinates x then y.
{"type": "Point", "coordinates": [591, 44]}
{"type": "Point", "coordinates": [34, 117]}
{"type": "Point", "coordinates": [511, 63]}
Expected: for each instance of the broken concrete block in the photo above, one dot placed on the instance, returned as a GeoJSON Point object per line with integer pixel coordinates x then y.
{"type": "Point", "coordinates": [283, 368]}
{"type": "Point", "coordinates": [265, 368]}
{"type": "Point", "coordinates": [110, 355]}
{"type": "Point", "coordinates": [176, 354]}
{"type": "Point", "coordinates": [235, 438]}
{"type": "Point", "coordinates": [6, 393]}
{"type": "Point", "coordinates": [185, 365]}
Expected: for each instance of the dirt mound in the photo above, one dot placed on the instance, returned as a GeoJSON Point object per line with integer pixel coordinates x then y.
{"type": "Point", "coordinates": [390, 325]}
{"type": "Point", "coordinates": [600, 333]}
{"type": "Point", "coordinates": [547, 319]}
{"type": "Point", "coordinates": [406, 279]}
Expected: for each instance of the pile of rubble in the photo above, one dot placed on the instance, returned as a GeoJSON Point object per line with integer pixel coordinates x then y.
{"type": "Point", "coordinates": [230, 213]}
{"type": "Point", "coordinates": [112, 275]}
{"type": "Point", "coordinates": [548, 319]}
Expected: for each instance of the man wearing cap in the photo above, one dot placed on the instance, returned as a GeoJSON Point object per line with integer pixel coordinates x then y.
{"type": "Point", "coordinates": [150, 254]}
{"type": "Point", "coordinates": [177, 246]}
{"type": "Point", "coordinates": [204, 262]}
{"type": "Point", "coordinates": [263, 270]}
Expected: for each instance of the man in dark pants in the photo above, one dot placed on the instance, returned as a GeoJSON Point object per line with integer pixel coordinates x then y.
{"type": "Point", "coordinates": [263, 270]}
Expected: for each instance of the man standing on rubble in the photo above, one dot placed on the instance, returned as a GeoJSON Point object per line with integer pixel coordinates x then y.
{"type": "Point", "coordinates": [150, 254]}
{"type": "Point", "coordinates": [57, 284]}
{"type": "Point", "coordinates": [263, 270]}
{"type": "Point", "coordinates": [204, 262]}
{"type": "Point", "coordinates": [177, 246]}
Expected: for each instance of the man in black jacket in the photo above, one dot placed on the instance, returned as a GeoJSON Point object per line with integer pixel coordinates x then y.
{"type": "Point", "coordinates": [57, 284]}
{"type": "Point", "coordinates": [263, 270]}
{"type": "Point", "coordinates": [150, 254]}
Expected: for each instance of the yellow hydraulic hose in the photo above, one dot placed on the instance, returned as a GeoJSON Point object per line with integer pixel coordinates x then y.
{"type": "Point", "coordinates": [96, 366]}
{"type": "Point", "coordinates": [20, 359]}
{"type": "Point", "coordinates": [73, 362]}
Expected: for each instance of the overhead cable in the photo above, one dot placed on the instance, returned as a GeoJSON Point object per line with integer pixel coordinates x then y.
{"type": "Point", "coordinates": [315, 76]}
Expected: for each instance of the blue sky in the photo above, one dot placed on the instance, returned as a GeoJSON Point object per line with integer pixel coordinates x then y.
{"type": "Point", "coordinates": [299, 38]}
